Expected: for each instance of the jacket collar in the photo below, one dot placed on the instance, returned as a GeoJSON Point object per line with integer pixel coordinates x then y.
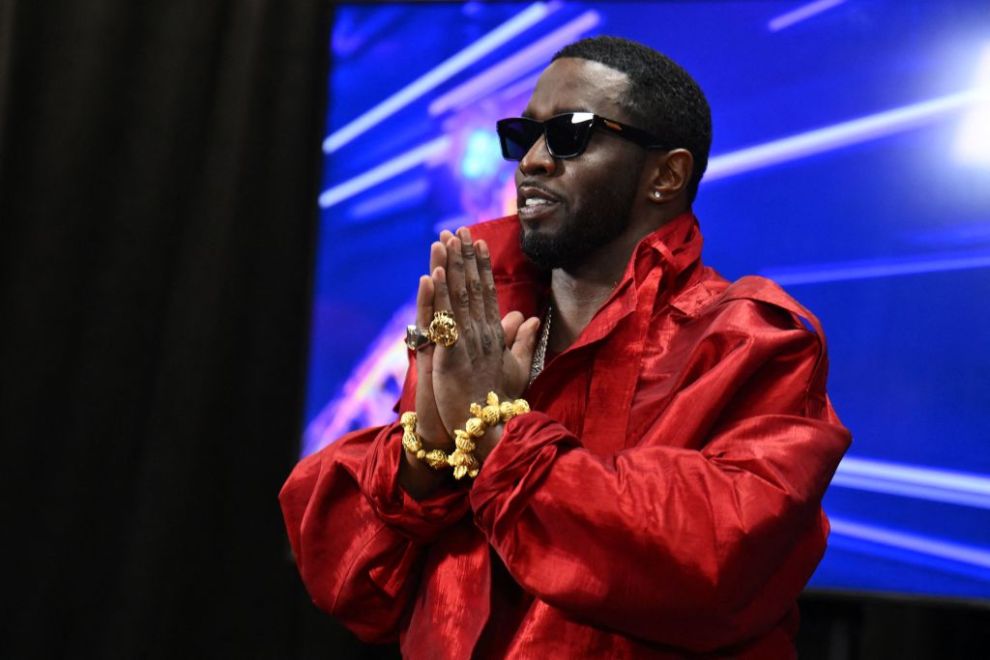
{"type": "Point", "coordinates": [652, 274]}
{"type": "Point", "coordinates": [660, 267]}
{"type": "Point", "coordinates": [674, 248]}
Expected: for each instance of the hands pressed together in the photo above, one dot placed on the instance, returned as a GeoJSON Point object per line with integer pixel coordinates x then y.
{"type": "Point", "coordinates": [492, 353]}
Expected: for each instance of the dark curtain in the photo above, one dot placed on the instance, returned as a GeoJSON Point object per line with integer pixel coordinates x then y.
{"type": "Point", "coordinates": [159, 166]}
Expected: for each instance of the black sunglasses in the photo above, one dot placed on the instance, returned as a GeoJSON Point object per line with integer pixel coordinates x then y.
{"type": "Point", "coordinates": [567, 135]}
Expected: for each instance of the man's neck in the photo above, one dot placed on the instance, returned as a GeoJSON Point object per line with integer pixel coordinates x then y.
{"type": "Point", "coordinates": [575, 301]}
{"type": "Point", "coordinates": [578, 293]}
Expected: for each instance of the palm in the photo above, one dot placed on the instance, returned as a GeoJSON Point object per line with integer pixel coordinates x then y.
{"type": "Point", "coordinates": [492, 354]}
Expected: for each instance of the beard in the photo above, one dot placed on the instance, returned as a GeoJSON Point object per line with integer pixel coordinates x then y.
{"type": "Point", "coordinates": [582, 232]}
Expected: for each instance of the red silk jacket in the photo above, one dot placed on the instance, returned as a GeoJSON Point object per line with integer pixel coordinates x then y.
{"type": "Point", "coordinates": [662, 500]}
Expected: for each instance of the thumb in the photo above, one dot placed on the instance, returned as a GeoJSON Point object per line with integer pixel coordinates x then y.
{"type": "Point", "coordinates": [510, 326]}
{"type": "Point", "coordinates": [525, 342]}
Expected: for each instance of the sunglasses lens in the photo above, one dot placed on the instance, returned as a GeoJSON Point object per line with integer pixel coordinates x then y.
{"type": "Point", "coordinates": [568, 135]}
{"type": "Point", "coordinates": [517, 136]}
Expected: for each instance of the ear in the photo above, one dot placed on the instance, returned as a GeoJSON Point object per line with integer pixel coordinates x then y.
{"type": "Point", "coordinates": [671, 175]}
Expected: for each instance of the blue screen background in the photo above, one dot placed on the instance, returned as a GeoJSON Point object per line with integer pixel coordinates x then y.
{"type": "Point", "coordinates": [850, 162]}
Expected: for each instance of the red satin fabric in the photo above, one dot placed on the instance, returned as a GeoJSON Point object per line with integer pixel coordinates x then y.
{"type": "Point", "coordinates": [663, 502]}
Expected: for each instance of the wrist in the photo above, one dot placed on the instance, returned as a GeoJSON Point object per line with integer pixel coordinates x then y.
{"type": "Point", "coordinates": [433, 441]}
{"type": "Point", "coordinates": [488, 441]}
{"type": "Point", "coordinates": [419, 469]}
{"type": "Point", "coordinates": [417, 478]}
{"type": "Point", "coordinates": [483, 431]}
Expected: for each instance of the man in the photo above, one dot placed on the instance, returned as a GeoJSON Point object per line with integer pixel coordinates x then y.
{"type": "Point", "coordinates": [662, 499]}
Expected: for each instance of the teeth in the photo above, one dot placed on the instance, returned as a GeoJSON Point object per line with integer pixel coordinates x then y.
{"type": "Point", "coordinates": [534, 201]}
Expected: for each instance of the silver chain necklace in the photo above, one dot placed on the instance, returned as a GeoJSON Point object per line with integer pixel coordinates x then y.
{"type": "Point", "coordinates": [540, 354]}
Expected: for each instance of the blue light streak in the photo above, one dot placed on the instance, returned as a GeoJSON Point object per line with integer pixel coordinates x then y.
{"type": "Point", "coordinates": [933, 547]}
{"type": "Point", "coordinates": [535, 55]}
{"type": "Point", "coordinates": [878, 268]}
{"type": "Point", "coordinates": [387, 170]}
{"type": "Point", "coordinates": [950, 486]}
{"type": "Point", "coordinates": [949, 479]}
{"type": "Point", "coordinates": [873, 485]}
{"type": "Point", "coordinates": [802, 13]}
{"type": "Point", "coordinates": [408, 193]}
{"type": "Point", "coordinates": [833, 137]}
{"type": "Point", "coordinates": [444, 71]}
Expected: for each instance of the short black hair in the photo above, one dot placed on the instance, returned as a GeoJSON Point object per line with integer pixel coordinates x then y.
{"type": "Point", "coordinates": [662, 96]}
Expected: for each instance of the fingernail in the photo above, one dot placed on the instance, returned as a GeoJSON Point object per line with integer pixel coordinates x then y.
{"type": "Point", "coordinates": [482, 248]}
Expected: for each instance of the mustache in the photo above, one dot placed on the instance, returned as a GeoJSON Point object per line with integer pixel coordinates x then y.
{"type": "Point", "coordinates": [535, 185]}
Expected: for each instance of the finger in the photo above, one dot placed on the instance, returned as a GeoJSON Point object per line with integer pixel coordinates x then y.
{"type": "Point", "coordinates": [424, 356]}
{"type": "Point", "coordinates": [441, 293]}
{"type": "Point", "coordinates": [424, 302]}
{"type": "Point", "coordinates": [429, 425]}
{"type": "Point", "coordinates": [471, 279]}
{"type": "Point", "coordinates": [525, 342]}
{"type": "Point", "coordinates": [488, 291]}
{"type": "Point", "coordinates": [458, 295]}
{"type": "Point", "coordinates": [438, 255]}
{"type": "Point", "coordinates": [441, 301]}
{"type": "Point", "coordinates": [510, 326]}
{"type": "Point", "coordinates": [445, 236]}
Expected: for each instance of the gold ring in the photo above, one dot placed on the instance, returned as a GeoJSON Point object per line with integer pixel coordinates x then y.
{"type": "Point", "coordinates": [416, 338]}
{"type": "Point", "coordinates": [443, 329]}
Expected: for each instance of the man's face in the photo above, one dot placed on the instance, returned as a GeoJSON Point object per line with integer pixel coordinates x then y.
{"type": "Point", "coordinates": [590, 196]}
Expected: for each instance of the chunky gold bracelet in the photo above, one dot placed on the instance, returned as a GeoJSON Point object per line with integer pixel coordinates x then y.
{"type": "Point", "coordinates": [462, 459]}
{"type": "Point", "coordinates": [435, 458]}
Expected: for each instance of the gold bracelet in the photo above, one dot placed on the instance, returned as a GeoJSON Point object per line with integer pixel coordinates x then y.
{"type": "Point", "coordinates": [435, 458]}
{"type": "Point", "coordinates": [462, 459]}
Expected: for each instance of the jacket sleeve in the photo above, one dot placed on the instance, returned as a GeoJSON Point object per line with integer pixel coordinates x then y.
{"type": "Point", "coordinates": [357, 537]}
{"type": "Point", "coordinates": [696, 548]}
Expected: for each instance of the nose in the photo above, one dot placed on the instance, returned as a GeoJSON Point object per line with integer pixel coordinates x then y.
{"type": "Point", "coordinates": [538, 159]}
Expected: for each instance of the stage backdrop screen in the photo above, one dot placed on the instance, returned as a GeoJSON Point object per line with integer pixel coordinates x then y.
{"type": "Point", "coordinates": [851, 163]}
